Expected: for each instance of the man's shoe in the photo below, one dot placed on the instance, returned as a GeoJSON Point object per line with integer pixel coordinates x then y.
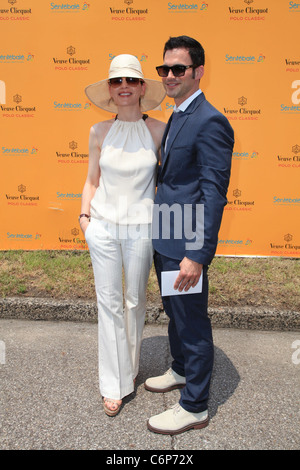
{"type": "Point", "coordinates": [177, 420]}
{"type": "Point", "coordinates": [165, 383]}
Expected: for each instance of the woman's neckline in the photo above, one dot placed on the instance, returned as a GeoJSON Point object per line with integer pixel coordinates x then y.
{"type": "Point", "coordinates": [144, 117]}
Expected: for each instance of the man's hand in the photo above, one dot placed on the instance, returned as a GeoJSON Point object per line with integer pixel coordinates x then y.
{"type": "Point", "coordinates": [190, 272]}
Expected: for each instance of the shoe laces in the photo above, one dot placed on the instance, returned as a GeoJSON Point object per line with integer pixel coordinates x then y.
{"type": "Point", "coordinates": [176, 408]}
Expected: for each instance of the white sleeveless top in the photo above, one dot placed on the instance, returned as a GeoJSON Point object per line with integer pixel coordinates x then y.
{"type": "Point", "coordinates": [128, 164]}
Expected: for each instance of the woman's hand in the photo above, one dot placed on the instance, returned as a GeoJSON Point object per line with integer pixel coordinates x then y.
{"type": "Point", "coordinates": [84, 222]}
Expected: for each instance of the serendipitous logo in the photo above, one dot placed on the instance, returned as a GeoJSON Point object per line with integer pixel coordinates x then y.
{"type": "Point", "coordinates": [244, 59]}
{"type": "Point", "coordinates": [141, 58]}
{"type": "Point", "coordinates": [16, 58]}
{"type": "Point", "coordinates": [68, 196]}
{"type": "Point", "coordinates": [295, 99]}
{"type": "Point", "coordinates": [71, 106]}
{"type": "Point", "coordinates": [245, 155]}
{"type": "Point", "coordinates": [294, 7]}
{"type": "Point", "coordinates": [234, 242]}
{"type": "Point", "coordinates": [19, 151]}
{"type": "Point", "coordinates": [69, 7]}
{"type": "Point", "coordinates": [187, 7]}
{"type": "Point", "coordinates": [286, 201]}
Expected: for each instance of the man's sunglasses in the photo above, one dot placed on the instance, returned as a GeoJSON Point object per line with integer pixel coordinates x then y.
{"type": "Point", "coordinates": [133, 81]}
{"type": "Point", "coordinates": [177, 70]}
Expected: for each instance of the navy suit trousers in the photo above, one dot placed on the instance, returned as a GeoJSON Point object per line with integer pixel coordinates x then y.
{"type": "Point", "coordinates": [190, 337]}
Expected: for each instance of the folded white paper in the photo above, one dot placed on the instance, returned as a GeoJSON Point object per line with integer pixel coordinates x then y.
{"type": "Point", "coordinates": [168, 279]}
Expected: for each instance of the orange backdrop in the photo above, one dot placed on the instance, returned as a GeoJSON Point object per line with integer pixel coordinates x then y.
{"type": "Point", "coordinates": [51, 50]}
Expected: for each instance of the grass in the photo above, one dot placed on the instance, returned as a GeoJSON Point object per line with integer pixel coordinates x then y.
{"type": "Point", "coordinates": [267, 282]}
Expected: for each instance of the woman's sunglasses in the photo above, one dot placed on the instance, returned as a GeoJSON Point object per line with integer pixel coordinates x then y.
{"type": "Point", "coordinates": [115, 82]}
{"type": "Point", "coordinates": [177, 70]}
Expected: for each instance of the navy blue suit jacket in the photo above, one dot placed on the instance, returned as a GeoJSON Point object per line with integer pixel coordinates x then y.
{"type": "Point", "coordinates": [195, 170]}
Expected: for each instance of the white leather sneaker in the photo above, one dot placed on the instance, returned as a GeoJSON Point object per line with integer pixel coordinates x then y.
{"type": "Point", "coordinates": [165, 383]}
{"type": "Point", "coordinates": [177, 420]}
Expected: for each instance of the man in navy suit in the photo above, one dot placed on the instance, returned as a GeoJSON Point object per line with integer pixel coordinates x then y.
{"type": "Point", "coordinates": [194, 173]}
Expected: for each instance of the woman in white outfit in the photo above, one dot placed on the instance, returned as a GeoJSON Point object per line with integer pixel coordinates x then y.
{"type": "Point", "coordinates": [115, 217]}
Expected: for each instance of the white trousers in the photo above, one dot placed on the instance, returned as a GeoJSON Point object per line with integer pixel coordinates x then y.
{"type": "Point", "coordinates": [115, 249]}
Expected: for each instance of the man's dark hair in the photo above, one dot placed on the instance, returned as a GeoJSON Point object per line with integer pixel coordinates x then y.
{"type": "Point", "coordinates": [194, 47]}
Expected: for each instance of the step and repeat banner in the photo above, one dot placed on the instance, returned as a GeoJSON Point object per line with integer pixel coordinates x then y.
{"type": "Point", "coordinates": [51, 50]}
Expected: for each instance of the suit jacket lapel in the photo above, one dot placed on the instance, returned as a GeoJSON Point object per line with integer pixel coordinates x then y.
{"type": "Point", "coordinates": [163, 142]}
{"type": "Point", "coordinates": [175, 129]}
{"type": "Point", "coordinates": [191, 108]}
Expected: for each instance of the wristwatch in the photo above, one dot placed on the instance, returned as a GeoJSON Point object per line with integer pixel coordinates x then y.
{"type": "Point", "coordinates": [84, 215]}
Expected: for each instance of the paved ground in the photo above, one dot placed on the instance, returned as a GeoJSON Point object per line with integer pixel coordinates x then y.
{"type": "Point", "coordinates": [49, 397]}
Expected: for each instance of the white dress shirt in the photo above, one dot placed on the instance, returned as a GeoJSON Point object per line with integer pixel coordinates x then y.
{"type": "Point", "coordinates": [183, 106]}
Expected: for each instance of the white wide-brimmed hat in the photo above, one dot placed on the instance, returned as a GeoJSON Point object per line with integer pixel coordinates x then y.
{"type": "Point", "coordinates": [125, 65]}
